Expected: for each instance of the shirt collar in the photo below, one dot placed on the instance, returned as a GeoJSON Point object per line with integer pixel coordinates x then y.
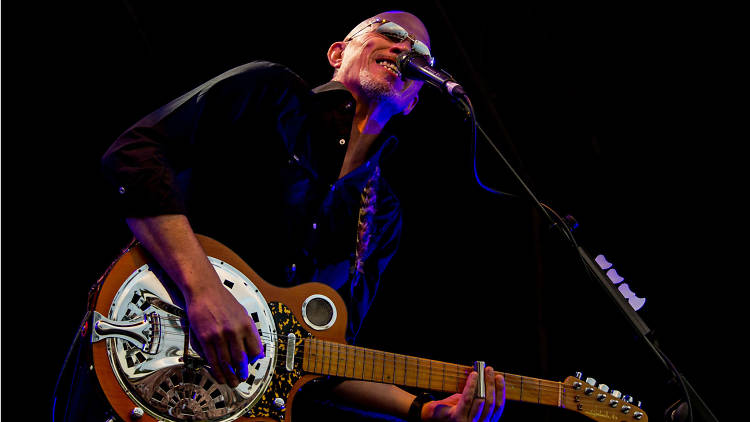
{"type": "Point", "coordinates": [335, 94]}
{"type": "Point", "coordinates": [330, 86]}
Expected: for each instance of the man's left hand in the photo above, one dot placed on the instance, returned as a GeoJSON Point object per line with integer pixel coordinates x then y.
{"type": "Point", "coordinates": [465, 406]}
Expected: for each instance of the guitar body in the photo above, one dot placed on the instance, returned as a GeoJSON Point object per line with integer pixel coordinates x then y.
{"type": "Point", "coordinates": [138, 342]}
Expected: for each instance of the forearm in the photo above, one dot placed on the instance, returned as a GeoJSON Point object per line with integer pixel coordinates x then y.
{"type": "Point", "coordinates": [227, 336]}
{"type": "Point", "coordinates": [384, 398]}
{"type": "Point", "coordinates": [172, 243]}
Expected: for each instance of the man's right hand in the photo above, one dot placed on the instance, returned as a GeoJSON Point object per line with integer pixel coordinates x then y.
{"type": "Point", "coordinates": [225, 333]}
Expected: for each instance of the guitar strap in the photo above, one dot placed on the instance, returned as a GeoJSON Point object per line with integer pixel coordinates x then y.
{"type": "Point", "coordinates": [96, 287]}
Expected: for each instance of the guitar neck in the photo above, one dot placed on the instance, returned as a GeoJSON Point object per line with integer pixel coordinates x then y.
{"type": "Point", "coordinates": [353, 362]}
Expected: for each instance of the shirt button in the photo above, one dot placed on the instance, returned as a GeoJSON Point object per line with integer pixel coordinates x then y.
{"type": "Point", "coordinates": [342, 141]}
{"type": "Point", "coordinates": [349, 105]}
{"type": "Point", "coordinates": [121, 190]}
{"type": "Point", "coordinates": [315, 226]}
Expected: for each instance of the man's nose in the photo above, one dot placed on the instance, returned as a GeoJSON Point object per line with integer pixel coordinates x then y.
{"type": "Point", "coordinates": [401, 46]}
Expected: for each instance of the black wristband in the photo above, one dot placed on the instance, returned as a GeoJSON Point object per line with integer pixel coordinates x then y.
{"type": "Point", "coordinates": [415, 410]}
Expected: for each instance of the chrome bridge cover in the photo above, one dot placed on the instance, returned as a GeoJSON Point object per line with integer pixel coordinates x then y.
{"type": "Point", "coordinates": [147, 359]}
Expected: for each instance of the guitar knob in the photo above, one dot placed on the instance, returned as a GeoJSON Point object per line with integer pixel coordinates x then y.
{"type": "Point", "coordinates": [590, 381]}
{"type": "Point", "coordinates": [604, 387]}
{"type": "Point", "coordinates": [616, 394]}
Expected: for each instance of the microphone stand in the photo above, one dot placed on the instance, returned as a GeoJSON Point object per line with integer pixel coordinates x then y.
{"type": "Point", "coordinates": [691, 404]}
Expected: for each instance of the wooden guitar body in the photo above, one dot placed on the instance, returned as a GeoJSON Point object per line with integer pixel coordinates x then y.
{"type": "Point", "coordinates": [173, 392]}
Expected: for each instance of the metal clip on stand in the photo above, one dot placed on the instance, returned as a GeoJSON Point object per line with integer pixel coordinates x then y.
{"type": "Point", "coordinates": [691, 405]}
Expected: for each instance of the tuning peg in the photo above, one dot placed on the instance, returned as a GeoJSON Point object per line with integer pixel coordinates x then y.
{"type": "Point", "coordinates": [579, 375]}
{"type": "Point", "coordinates": [616, 394]}
{"type": "Point", "coordinates": [604, 387]}
{"type": "Point", "coordinates": [628, 398]}
{"type": "Point", "coordinates": [590, 381]}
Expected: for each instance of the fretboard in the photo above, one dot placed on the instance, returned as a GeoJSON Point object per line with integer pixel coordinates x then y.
{"type": "Point", "coordinates": [342, 360]}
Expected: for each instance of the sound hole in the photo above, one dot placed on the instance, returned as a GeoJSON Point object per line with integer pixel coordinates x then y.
{"type": "Point", "coordinates": [319, 312]}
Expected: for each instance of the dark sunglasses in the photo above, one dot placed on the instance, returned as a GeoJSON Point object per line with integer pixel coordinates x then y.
{"type": "Point", "coordinates": [396, 33]}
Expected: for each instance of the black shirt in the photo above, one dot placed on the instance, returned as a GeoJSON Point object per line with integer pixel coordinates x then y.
{"type": "Point", "coordinates": [252, 157]}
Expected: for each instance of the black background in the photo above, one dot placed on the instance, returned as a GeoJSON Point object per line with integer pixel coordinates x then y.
{"type": "Point", "coordinates": [613, 113]}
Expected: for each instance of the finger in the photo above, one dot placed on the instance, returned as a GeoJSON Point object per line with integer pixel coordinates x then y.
{"type": "Point", "coordinates": [213, 362]}
{"type": "Point", "coordinates": [251, 346]}
{"type": "Point", "coordinates": [226, 364]}
{"type": "Point", "coordinates": [239, 358]}
{"type": "Point", "coordinates": [489, 402]}
{"type": "Point", "coordinates": [499, 397]}
{"type": "Point", "coordinates": [467, 396]}
{"type": "Point", "coordinates": [477, 406]}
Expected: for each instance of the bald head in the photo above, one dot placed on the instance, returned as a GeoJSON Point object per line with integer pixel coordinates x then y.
{"type": "Point", "coordinates": [407, 21]}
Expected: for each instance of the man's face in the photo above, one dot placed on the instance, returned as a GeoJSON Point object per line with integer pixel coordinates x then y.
{"type": "Point", "coordinates": [368, 67]}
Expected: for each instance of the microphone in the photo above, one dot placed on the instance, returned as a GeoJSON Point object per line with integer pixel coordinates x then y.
{"type": "Point", "coordinates": [416, 66]}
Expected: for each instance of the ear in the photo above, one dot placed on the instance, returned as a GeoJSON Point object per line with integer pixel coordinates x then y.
{"type": "Point", "coordinates": [336, 54]}
{"type": "Point", "coordinates": [411, 105]}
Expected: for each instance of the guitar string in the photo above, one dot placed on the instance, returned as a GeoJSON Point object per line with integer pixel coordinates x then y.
{"type": "Point", "coordinates": [535, 388]}
{"type": "Point", "coordinates": [410, 363]}
{"type": "Point", "coordinates": [534, 384]}
{"type": "Point", "coordinates": [388, 357]}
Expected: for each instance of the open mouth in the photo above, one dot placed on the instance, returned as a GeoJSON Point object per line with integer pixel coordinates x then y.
{"type": "Point", "coordinates": [390, 66]}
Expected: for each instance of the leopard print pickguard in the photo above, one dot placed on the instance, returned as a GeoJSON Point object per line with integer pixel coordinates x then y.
{"type": "Point", "coordinates": [283, 380]}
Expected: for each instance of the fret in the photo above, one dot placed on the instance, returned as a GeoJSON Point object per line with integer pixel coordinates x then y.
{"type": "Point", "coordinates": [359, 364]}
{"type": "Point", "coordinates": [366, 365]}
{"type": "Point", "coordinates": [437, 375]}
{"type": "Point", "coordinates": [423, 373]}
{"type": "Point", "coordinates": [443, 385]}
{"type": "Point", "coordinates": [319, 356]}
{"type": "Point", "coordinates": [530, 390]}
{"type": "Point", "coordinates": [429, 374]}
{"type": "Point", "coordinates": [553, 391]}
{"type": "Point", "coordinates": [411, 371]}
{"type": "Point", "coordinates": [389, 367]}
{"type": "Point", "coordinates": [378, 366]}
{"type": "Point", "coordinates": [336, 359]}
{"type": "Point", "coordinates": [349, 362]}
{"type": "Point", "coordinates": [313, 355]}
{"type": "Point", "coordinates": [401, 375]}
{"type": "Point", "coordinates": [513, 387]}
{"type": "Point", "coordinates": [330, 357]}
{"type": "Point", "coordinates": [370, 366]}
{"type": "Point", "coordinates": [461, 381]}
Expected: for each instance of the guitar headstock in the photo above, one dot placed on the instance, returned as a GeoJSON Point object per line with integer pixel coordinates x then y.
{"type": "Point", "coordinates": [599, 402]}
